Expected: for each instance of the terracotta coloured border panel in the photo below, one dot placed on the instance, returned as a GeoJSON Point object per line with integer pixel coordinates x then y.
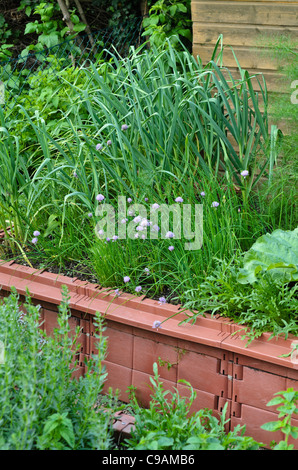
{"type": "Point", "coordinates": [210, 331]}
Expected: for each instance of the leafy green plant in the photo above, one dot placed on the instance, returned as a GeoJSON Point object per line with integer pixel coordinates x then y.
{"type": "Point", "coordinates": [49, 95]}
{"type": "Point", "coordinates": [5, 34]}
{"type": "Point", "coordinates": [50, 30]}
{"type": "Point", "coordinates": [58, 433]}
{"type": "Point", "coordinates": [287, 406]}
{"type": "Point", "coordinates": [168, 425]}
{"type": "Point", "coordinates": [118, 11]}
{"type": "Point", "coordinates": [275, 253]}
{"type": "Point", "coordinates": [265, 306]}
{"type": "Point", "coordinates": [168, 20]}
{"type": "Point", "coordinates": [42, 407]}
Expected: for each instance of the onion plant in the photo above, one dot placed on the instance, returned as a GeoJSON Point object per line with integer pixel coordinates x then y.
{"type": "Point", "coordinates": [178, 116]}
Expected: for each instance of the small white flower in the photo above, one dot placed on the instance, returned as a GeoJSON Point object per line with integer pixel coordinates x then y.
{"type": "Point", "coordinates": [144, 223]}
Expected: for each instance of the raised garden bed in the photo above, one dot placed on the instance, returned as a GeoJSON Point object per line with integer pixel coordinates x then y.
{"type": "Point", "coordinates": [210, 354]}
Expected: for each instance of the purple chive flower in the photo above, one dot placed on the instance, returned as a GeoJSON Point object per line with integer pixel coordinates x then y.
{"type": "Point", "coordinates": [36, 233]}
{"type": "Point", "coordinates": [117, 293]}
{"type": "Point", "coordinates": [126, 279]}
{"type": "Point", "coordinates": [179, 199]}
{"type": "Point", "coordinates": [170, 235]}
{"type": "Point", "coordinates": [75, 175]}
{"type": "Point", "coordinates": [109, 142]}
{"type": "Point", "coordinates": [171, 248]}
{"type": "Point", "coordinates": [100, 197]}
{"type": "Point", "coordinates": [143, 236]}
{"type": "Point", "coordinates": [155, 228]}
{"type": "Point", "coordinates": [131, 213]}
{"type": "Point", "coordinates": [136, 235]}
{"type": "Point", "coordinates": [108, 239]}
{"type": "Point", "coordinates": [155, 206]}
{"type": "Point", "coordinates": [129, 199]}
{"type": "Point", "coordinates": [244, 173]}
{"type": "Point", "coordinates": [90, 214]}
{"type": "Point", "coordinates": [100, 232]}
{"type": "Point", "coordinates": [123, 221]}
{"type": "Point", "coordinates": [147, 271]}
{"type": "Point", "coordinates": [34, 240]}
{"type": "Point", "coordinates": [115, 237]}
{"type": "Point", "coordinates": [138, 288]}
{"type": "Point", "coordinates": [162, 300]}
{"type": "Point", "coordinates": [215, 204]}
{"type": "Point", "coordinates": [99, 147]}
{"type": "Point", "coordinates": [156, 324]}
{"type": "Point", "coordinates": [124, 127]}
{"type": "Point", "coordinates": [146, 199]}
{"type": "Point", "coordinates": [203, 194]}
{"type": "Point", "coordinates": [137, 219]}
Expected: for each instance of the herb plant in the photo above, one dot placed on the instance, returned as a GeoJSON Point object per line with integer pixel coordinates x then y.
{"type": "Point", "coordinates": [42, 407]}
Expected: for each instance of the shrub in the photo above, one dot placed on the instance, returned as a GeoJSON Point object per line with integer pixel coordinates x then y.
{"type": "Point", "coordinates": [168, 19]}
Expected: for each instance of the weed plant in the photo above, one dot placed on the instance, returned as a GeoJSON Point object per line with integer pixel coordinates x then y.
{"type": "Point", "coordinates": [168, 424]}
{"type": "Point", "coordinates": [287, 401]}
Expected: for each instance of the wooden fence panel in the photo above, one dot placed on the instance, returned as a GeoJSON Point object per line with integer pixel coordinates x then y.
{"type": "Point", "coordinates": [243, 24]}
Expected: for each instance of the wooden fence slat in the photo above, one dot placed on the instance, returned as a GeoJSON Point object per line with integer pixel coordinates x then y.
{"type": "Point", "coordinates": [275, 81]}
{"type": "Point", "coordinates": [249, 58]}
{"type": "Point", "coordinates": [238, 35]}
{"type": "Point", "coordinates": [268, 2]}
{"type": "Point", "coordinates": [258, 13]}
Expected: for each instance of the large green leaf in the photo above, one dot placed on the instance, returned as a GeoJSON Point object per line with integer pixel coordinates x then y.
{"type": "Point", "coordinates": [276, 254]}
